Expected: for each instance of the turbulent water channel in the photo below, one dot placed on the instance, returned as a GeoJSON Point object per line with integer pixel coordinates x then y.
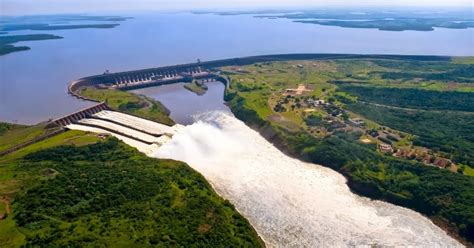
{"type": "Point", "coordinates": [289, 202]}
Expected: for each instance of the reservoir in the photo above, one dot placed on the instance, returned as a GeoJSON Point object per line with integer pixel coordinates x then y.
{"type": "Point", "coordinates": [289, 202]}
{"type": "Point", "coordinates": [33, 83]}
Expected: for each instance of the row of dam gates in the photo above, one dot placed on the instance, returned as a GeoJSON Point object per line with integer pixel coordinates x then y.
{"type": "Point", "coordinates": [143, 78]}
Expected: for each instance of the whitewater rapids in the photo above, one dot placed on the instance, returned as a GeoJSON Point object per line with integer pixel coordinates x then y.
{"type": "Point", "coordinates": [292, 203]}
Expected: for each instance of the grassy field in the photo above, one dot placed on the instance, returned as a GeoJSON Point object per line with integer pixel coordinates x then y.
{"type": "Point", "coordinates": [20, 134]}
{"type": "Point", "coordinates": [11, 180]}
{"type": "Point", "coordinates": [130, 103]}
{"type": "Point", "coordinates": [76, 190]}
{"type": "Point", "coordinates": [464, 60]}
{"type": "Point", "coordinates": [72, 137]}
{"type": "Point", "coordinates": [263, 95]}
{"type": "Point", "coordinates": [4, 127]}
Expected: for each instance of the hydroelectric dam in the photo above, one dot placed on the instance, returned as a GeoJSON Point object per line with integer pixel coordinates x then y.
{"type": "Point", "coordinates": [248, 171]}
{"type": "Point", "coordinates": [147, 135]}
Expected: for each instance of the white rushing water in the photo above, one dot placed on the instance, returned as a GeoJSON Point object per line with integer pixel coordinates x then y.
{"type": "Point", "coordinates": [291, 203]}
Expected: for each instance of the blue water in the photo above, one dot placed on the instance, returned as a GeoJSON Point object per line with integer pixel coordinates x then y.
{"type": "Point", "coordinates": [33, 83]}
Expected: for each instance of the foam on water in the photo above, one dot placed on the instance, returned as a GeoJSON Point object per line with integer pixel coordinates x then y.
{"type": "Point", "coordinates": [291, 203]}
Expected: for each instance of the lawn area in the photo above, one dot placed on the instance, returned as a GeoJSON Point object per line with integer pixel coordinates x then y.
{"type": "Point", "coordinates": [71, 137]}
{"type": "Point", "coordinates": [4, 127]}
{"type": "Point", "coordinates": [468, 171]}
{"type": "Point", "coordinates": [464, 60]}
{"type": "Point", "coordinates": [130, 103]}
{"type": "Point", "coordinates": [22, 134]}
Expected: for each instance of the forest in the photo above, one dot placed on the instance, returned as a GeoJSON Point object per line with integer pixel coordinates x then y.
{"type": "Point", "coordinates": [109, 194]}
{"type": "Point", "coordinates": [413, 98]}
{"type": "Point", "coordinates": [461, 74]}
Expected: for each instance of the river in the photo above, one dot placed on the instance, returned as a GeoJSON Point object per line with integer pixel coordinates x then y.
{"type": "Point", "coordinates": [290, 203]}
{"type": "Point", "coordinates": [33, 83]}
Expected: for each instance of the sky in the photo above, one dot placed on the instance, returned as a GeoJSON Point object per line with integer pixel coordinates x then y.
{"type": "Point", "coordinates": [20, 7]}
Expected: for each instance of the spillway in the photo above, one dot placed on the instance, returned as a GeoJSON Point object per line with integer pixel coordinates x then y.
{"type": "Point", "coordinates": [139, 123]}
{"type": "Point", "coordinates": [292, 203]}
{"type": "Point", "coordinates": [140, 133]}
{"type": "Point", "coordinates": [142, 147]}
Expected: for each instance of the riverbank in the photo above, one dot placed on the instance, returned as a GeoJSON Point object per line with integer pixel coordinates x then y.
{"type": "Point", "coordinates": [341, 155]}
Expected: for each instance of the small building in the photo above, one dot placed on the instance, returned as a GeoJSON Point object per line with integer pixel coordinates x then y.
{"type": "Point", "coordinates": [356, 122]}
{"type": "Point", "coordinates": [315, 103]}
{"type": "Point", "coordinates": [385, 148]}
{"type": "Point", "coordinates": [320, 102]}
{"type": "Point", "coordinates": [442, 162]}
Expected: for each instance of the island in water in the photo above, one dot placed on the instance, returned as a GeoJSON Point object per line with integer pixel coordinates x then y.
{"type": "Point", "coordinates": [393, 20]}
{"type": "Point", "coordinates": [46, 23]}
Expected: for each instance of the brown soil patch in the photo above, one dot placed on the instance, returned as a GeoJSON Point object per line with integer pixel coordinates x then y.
{"type": "Point", "coordinates": [6, 202]}
{"type": "Point", "coordinates": [275, 117]}
{"type": "Point", "coordinates": [204, 228]}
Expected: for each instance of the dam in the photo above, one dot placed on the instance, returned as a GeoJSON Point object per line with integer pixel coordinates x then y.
{"type": "Point", "coordinates": [137, 132]}
{"type": "Point", "coordinates": [290, 203]}
{"type": "Point", "coordinates": [206, 70]}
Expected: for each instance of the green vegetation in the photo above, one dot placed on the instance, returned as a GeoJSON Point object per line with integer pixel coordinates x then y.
{"type": "Point", "coordinates": [393, 25]}
{"type": "Point", "coordinates": [4, 127]}
{"type": "Point", "coordinates": [130, 103]}
{"type": "Point", "coordinates": [72, 137]}
{"type": "Point", "coordinates": [462, 73]}
{"type": "Point", "coordinates": [41, 26]}
{"type": "Point", "coordinates": [109, 194]}
{"type": "Point", "coordinates": [5, 41]}
{"type": "Point", "coordinates": [439, 119]}
{"type": "Point", "coordinates": [15, 135]}
{"type": "Point", "coordinates": [463, 60]}
{"type": "Point", "coordinates": [466, 170]}
{"type": "Point", "coordinates": [451, 132]}
{"type": "Point", "coordinates": [393, 21]}
{"type": "Point", "coordinates": [10, 181]}
{"type": "Point", "coordinates": [6, 49]}
{"type": "Point", "coordinates": [8, 39]}
{"type": "Point", "coordinates": [199, 89]}
{"type": "Point", "coordinates": [413, 98]}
